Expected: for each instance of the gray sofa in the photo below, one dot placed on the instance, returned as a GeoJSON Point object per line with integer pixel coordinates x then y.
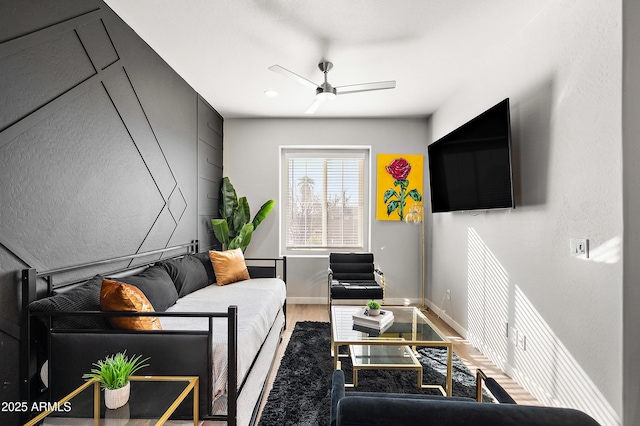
{"type": "Point", "coordinates": [382, 409]}
{"type": "Point", "coordinates": [227, 335]}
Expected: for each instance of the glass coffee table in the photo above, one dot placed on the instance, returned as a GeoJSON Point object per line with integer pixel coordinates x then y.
{"type": "Point", "coordinates": [410, 328]}
{"type": "Point", "coordinates": [85, 405]}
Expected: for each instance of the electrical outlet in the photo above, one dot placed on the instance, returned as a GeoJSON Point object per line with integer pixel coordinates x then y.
{"type": "Point", "coordinates": [521, 341]}
{"type": "Point", "coordinates": [579, 247]}
{"type": "Point", "coordinates": [448, 294]}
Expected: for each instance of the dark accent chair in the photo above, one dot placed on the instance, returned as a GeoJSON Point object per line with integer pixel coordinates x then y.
{"type": "Point", "coordinates": [382, 409]}
{"type": "Point", "coordinates": [353, 276]}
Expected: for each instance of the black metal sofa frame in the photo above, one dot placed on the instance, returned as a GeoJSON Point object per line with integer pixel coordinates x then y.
{"type": "Point", "coordinates": [193, 348]}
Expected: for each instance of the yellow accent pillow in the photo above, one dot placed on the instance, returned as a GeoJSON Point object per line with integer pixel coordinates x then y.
{"type": "Point", "coordinates": [229, 266]}
{"type": "Point", "coordinates": [120, 297]}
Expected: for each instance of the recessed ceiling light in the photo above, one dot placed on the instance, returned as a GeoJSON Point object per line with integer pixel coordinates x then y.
{"type": "Point", "coordinates": [270, 93]}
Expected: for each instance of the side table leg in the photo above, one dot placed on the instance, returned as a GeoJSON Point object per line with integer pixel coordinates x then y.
{"type": "Point", "coordinates": [96, 404]}
{"type": "Point", "coordinates": [449, 369]}
{"type": "Point", "coordinates": [196, 408]}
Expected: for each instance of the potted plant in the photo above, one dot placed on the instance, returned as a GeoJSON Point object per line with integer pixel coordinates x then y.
{"type": "Point", "coordinates": [113, 374]}
{"type": "Point", "coordinates": [374, 308]}
{"type": "Point", "coordinates": [235, 228]}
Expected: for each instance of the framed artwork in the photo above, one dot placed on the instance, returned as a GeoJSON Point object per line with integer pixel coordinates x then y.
{"type": "Point", "coordinates": [400, 185]}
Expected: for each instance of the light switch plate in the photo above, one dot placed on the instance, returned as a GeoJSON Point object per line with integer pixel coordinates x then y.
{"type": "Point", "coordinates": [579, 247]}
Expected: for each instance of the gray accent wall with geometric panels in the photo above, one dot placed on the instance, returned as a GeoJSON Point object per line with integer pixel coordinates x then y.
{"type": "Point", "coordinates": [104, 149]}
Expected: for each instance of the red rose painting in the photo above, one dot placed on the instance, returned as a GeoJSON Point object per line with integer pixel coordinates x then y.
{"type": "Point", "coordinates": [399, 169]}
{"type": "Point", "coordinates": [395, 200]}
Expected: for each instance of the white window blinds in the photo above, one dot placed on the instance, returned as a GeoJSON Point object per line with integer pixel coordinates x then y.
{"type": "Point", "coordinates": [326, 195]}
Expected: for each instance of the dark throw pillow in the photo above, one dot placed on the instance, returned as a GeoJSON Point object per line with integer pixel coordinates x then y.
{"type": "Point", "coordinates": [188, 274]}
{"type": "Point", "coordinates": [84, 297]}
{"type": "Point", "coordinates": [208, 266]}
{"type": "Point", "coordinates": [157, 286]}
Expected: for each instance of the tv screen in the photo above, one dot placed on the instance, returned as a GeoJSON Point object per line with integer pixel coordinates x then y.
{"type": "Point", "coordinates": [470, 168]}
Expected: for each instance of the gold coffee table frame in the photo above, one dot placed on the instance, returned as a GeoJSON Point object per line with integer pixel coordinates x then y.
{"type": "Point", "coordinates": [383, 357]}
{"type": "Point", "coordinates": [421, 332]}
{"type": "Point", "coordinates": [191, 386]}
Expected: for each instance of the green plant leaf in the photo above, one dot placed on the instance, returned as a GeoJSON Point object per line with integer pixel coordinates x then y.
{"type": "Point", "coordinates": [242, 215]}
{"type": "Point", "coordinates": [392, 206]}
{"type": "Point", "coordinates": [243, 238]}
{"type": "Point", "coordinates": [237, 214]}
{"type": "Point", "coordinates": [114, 371]}
{"type": "Point", "coordinates": [220, 230]}
{"type": "Point", "coordinates": [265, 209]}
{"type": "Point", "coordinates": [390, 193]}
{"type": "Point", "coordinates": [415, 194]}
{"type": "Point", "coordinates": [228, 199]}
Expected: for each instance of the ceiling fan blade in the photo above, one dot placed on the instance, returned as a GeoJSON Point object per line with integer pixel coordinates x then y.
{"type": "Point", "coordinates": [294, 76]}
{"type": "Point", "coordinates": [314, 106]}
{"type": "Point", "coordinates": [366, 87]}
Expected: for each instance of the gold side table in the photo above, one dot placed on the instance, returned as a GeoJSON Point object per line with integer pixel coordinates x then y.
{"type": "Point", "coordinates": [66, 403]}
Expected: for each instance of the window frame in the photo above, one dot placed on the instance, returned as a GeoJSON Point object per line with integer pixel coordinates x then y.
{"type": "Point", "coordinates": [317, 150]}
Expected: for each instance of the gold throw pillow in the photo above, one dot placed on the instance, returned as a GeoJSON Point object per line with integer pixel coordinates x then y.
{"type": "Point", "coordinates": [120, 297]}
{"type": "Point", "coordinates": [229, 266]}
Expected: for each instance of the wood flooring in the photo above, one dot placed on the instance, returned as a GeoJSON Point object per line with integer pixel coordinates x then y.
{"type": "Point", "coordinates": [462, 348]}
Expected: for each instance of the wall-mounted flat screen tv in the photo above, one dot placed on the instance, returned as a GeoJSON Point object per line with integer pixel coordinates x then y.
{"type": "Point", "coordinates": [470, 168]}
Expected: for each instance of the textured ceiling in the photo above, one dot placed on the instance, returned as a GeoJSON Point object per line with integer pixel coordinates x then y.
{"type": "Point", "coordinates": [223, 49]}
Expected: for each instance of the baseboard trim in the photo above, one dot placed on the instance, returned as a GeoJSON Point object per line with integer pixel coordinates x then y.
{"type": "Point", "coordinates": [323, 301]}
{"type": "Point", "coordinates": [307, 300]}
{"type": "Point", "coordinates": [442, 314]}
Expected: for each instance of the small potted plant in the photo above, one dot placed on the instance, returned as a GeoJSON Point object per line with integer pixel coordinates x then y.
{"type": "Point", "coordinates": [113, 374]}
{"type": "Point", "coordinates": [374, 308]}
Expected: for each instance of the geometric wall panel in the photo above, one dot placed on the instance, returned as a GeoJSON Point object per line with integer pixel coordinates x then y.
{"type": "Point", "coordinates": [210, 172]}
{"type": "Point", "coordinates": [177, 204]}
{"type": "Point", "coordinates": [98, 148]}
{"type": "Point", "coordinates": [125, 101]}
{"type": "Point", "coordinates": [74, 178]}
{"type": "Point", "coordinates": [32, 77]}
{"type": "Point", "coordinates": [96, 41]}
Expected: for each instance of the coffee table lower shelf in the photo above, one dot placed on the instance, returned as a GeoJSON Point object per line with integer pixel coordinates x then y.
{"type": "Point", "coordinates": [381, 357]}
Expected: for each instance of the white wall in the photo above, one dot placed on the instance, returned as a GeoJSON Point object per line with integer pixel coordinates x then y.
{"type": "Point", "coordinates": [251, 155]}
{"type": "Point", "coordinates": [562, 73]}
{"type": "Point", "coordinates": [631, 178]}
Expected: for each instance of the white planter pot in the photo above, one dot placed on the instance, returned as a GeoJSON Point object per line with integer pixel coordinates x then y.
{"type": "Point", "coordinates": [116, 398]}
{"type": "Point", "coordinates": [374, 312]}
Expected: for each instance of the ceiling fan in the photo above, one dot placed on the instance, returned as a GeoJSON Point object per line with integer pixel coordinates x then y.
{"type": "Point", "coordinates": [326, 91]}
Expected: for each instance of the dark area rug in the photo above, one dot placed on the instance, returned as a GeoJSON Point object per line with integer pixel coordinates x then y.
{"type": "Point", "coordinates": [301, 393]}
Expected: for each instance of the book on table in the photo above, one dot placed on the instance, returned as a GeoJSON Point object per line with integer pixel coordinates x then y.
{"type": "Point", "coordinates": [377, 322]}
{"type": "Point", "coordinates": [372, 332]}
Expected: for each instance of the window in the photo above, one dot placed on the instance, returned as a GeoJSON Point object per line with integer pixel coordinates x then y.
{"type": "Point", "coordinates": [325, 192]}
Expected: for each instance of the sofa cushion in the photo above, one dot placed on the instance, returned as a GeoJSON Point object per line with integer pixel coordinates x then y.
{"type": "Point", "coordinates": [229, 266]}
{"type": "Point", "coordinates": [84, 297]}
{"type": "Point", "coordinates": [208, 266]}
{"type": "Point", "coordinates": [157, 286]}
{"type": "Point", "coordinates": [187, 273]}
{"type": "Point", "coordinates": [116, 296]}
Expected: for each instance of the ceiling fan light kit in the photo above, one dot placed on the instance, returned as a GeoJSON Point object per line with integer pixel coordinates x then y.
{"type": "Point", "coordinates": [326, 91]}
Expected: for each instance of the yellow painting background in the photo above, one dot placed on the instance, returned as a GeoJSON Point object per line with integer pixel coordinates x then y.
{"type": "Point", "coordinates": [385, 181]}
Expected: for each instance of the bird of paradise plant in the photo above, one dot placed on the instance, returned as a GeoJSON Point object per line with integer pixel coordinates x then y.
{"type": "Point", "coordinates": [235, 229]}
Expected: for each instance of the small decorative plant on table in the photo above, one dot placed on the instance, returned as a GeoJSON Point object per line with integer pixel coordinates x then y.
{"type": "Point", "coordinates": [374, 308]}
{"type": "Point", "coordinates": [113, 374]}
